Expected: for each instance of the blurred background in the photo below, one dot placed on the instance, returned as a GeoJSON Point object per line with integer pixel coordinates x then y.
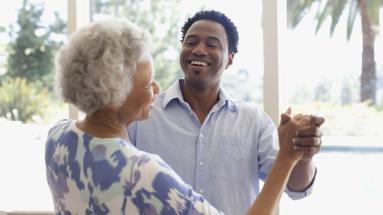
{"type": "Point", "coordinates": [330, 63]}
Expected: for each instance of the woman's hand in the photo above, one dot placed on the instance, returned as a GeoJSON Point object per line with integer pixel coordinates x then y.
{"type": "Point", "coordinates": [287, 131]}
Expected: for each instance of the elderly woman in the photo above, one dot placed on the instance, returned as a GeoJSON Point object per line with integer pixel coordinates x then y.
{"type": "Point", "coordinates": [106, 71]}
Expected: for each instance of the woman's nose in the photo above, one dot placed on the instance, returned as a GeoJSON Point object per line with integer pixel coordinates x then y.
{"type": "Point", "coordinates": [157, 87]}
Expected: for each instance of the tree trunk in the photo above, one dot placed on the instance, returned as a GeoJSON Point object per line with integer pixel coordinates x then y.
{"type": "Point", "coordinates": [368, 76]}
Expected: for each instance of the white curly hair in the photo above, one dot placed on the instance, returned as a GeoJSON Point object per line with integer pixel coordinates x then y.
{"type": "Point", "coordinates": [96, 67]}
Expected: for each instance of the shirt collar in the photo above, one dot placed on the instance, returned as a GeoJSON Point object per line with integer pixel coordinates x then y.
{"type": "Point", "coordinates": [174, 93]}
{"type": "Point", "coordinates": [226, 99]}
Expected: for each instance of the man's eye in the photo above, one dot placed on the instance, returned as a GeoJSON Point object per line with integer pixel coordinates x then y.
{"type": "Point", "coordinates": [190, 42]}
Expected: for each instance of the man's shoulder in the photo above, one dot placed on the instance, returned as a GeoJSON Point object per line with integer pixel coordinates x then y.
{"type": "Point", "coordinates": [249, 110]}
{"type": "Point", "coordinates": [246, 107]}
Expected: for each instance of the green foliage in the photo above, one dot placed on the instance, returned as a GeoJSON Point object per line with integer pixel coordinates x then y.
{"type": "Point", "coordinates": [21, 100]}
{"type": "Point", "coordinates": [357, 119]}
{"type": "Point", "coordinates": [26, 85]}
{"type": "Point", "coordinates": [237, 84]}
{"type": "Point", "coordinates": [326, 90]}
{"type": "Point", "coordinates": [297, 9]}
{"type": "Point", "coordinates": [346, 93]}
{"type": "Point", "coordinates": [369, 12]}
{"type": "Point", "coordinates": [301, 94]}
{"type": "Point", "coordinates": [322, 91]}
{"type": "Point", "coordinates": [160, 19]}
{"type": "Point", "coordinates": [32, 49]}
{"type": "Point", "coordinates": [354, 9]}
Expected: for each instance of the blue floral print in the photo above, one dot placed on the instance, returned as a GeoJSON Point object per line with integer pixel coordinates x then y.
{"type": "Point", "coordinates": [90, 175]}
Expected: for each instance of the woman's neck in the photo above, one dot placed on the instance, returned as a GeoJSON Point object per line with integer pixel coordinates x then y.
{"type": "Point", "coordinates": [104, 124]}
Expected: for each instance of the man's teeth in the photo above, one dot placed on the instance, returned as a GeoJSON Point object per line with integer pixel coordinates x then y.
{"type": "Point", "coordinates": [199, 63]}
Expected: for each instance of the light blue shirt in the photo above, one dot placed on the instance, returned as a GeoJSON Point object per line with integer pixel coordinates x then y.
{"type": "Point", "coordinates": [223, 158]}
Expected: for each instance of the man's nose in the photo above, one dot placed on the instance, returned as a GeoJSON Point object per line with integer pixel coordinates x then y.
{"type": "Point", "coordinates": [200, 50]}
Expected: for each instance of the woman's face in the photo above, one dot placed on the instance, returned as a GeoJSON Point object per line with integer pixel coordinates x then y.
{"type": "Point", "coordinates": [140, 99]}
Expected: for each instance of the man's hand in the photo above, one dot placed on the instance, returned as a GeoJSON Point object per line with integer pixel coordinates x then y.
{"type": "Point", "coordinates": [300, 136]}
{"type": "Point", "coordinates": [308, 136]}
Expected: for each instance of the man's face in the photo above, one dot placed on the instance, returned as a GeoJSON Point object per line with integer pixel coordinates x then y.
{"type": "Point", "coordinates": [205, 54]}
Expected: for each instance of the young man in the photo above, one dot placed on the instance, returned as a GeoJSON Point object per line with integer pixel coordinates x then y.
{"type": "Point", "coordinates": [220, 146]}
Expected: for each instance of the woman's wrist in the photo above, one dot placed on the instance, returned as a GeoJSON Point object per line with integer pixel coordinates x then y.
{"type": "Point", "coordinates": [285, 159]}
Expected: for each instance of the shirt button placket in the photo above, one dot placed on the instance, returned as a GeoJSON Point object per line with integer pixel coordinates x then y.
{"type": "Point", "coordinates": [200, 164]}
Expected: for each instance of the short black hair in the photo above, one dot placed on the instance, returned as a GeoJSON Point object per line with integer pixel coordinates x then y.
{"type": "Point", "coordinates": [215, 16]}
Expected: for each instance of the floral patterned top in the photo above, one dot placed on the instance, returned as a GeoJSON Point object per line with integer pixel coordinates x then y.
{"type": "Point", "coordinates": [90, 175]}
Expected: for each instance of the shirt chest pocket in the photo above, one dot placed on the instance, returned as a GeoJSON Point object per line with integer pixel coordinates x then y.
{"type": "Point", "coordinates": [233, 157]}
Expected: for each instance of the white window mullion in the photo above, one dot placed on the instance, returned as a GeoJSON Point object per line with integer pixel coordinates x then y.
{"type": "Point", "coordinates": [270, 54]}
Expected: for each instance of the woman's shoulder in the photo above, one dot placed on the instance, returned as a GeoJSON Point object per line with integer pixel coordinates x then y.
{"type": "Point", "coordinates": [58, 128]}
{"type": "Point", "coordinates": [62, 123]}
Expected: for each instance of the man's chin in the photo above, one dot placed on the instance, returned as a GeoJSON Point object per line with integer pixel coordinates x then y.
{"type": "Point", "coordinates": [196, 83]}
{"type": "Point", "coordinates": [197, 71]}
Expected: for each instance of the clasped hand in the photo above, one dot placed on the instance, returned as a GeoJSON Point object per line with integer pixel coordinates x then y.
{"type": "Point", "coordinates": [299, 136]}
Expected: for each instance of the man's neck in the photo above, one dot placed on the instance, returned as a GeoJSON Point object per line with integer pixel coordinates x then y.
{"type": "Point", "coordinates": [201, 101]}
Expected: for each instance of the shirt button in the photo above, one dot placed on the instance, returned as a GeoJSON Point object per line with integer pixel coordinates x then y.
{"type": "Point", "coordinates": [201, 191]}
{"type": "Point", "coordinates": [201, 163]}
{"type": "Point", "coordinates": [201, 135]}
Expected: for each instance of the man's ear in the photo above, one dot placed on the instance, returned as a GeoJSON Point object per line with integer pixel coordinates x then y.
{"type": "Point", "coordinates": [230, 60]}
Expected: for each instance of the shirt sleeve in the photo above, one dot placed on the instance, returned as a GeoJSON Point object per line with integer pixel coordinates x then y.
{"type": "Point", "coordinates": [301, 194]}
{"type": "Point", "coordinates": [268, 145]}
{"type": "Point", "coordinates": [161, 189]}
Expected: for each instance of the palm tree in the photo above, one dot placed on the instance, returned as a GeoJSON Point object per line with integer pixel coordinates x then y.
{"type": "Point", "coordinates": [369, 14]}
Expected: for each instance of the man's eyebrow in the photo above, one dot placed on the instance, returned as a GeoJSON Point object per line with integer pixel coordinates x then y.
{"type": "Point", "coordinates": [191, 36]}
{"type": "Point", "coordinates": [214, 38]}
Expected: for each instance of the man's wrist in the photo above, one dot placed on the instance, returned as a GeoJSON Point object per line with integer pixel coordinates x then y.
{"type": "Point", "coordinates": [308, 186]}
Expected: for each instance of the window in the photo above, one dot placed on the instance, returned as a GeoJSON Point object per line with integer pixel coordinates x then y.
{"type": "Point", "coordinates": [28, 106]}
{"type": "Point", "coordinates": [321, 74]}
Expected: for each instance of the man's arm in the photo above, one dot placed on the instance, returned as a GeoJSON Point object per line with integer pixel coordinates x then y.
{"type": "Point", "coordinates": [302, 176]}
{"type": "Point", "coordinates": [308, 141]}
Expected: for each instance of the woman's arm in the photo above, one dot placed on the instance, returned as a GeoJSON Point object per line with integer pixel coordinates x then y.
{"type": "Point", "coordinates": [268, 199]}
